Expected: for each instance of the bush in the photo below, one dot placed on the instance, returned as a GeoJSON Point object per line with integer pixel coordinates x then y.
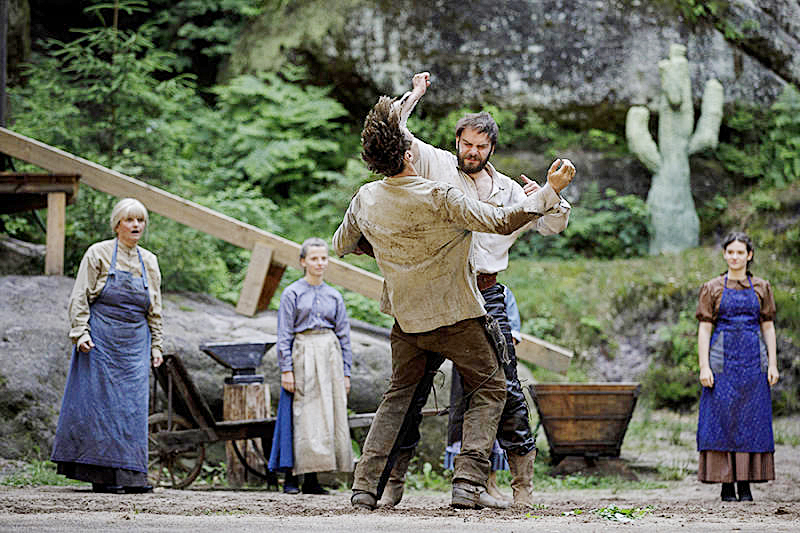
{"type": "Point", "coordinates": [673, 381]}
{"type": "Point", "coordinates": [603, 226]}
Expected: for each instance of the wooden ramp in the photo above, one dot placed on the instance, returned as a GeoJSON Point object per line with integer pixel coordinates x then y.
{"type": "Point", "coordinates": [271, 253]}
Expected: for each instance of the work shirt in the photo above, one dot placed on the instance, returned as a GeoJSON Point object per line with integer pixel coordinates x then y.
{"type": "Point", "coordinates": [92, 276]}
{"type": "Point", "coordinates": [711, 296]}
{"type": "Point", "coordinates": [490, 249]}
{"type": "Point", "coordinates": [305, 306]}
{"type": "Point", "coordinates": [421, 234]}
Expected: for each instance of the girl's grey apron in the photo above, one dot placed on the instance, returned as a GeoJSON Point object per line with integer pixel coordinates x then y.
{"type": "Point", "coordinates": [103, 420]}
{"type": "Point", "coordinates": [736, 413]}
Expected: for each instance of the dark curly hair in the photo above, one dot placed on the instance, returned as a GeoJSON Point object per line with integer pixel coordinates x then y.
{"type": "Point", "coordinates": [481, 122]}
{"type": "Point", "coordinates": [383, 141]}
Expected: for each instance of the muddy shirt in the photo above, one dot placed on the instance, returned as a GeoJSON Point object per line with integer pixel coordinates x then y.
{"type": "Point", "coordinates": [490, 249]}
{"type": "Point", "coordinates": [421, 234]}
{"type": "Point", "coordinates": [91, 279]}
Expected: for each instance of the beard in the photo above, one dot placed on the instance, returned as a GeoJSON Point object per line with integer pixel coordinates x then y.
{"type": "Point", "coordinates": [472, 166]}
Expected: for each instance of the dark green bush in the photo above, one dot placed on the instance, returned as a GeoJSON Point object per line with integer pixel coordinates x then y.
{"type": "Point", "coordinates": [604, 226]}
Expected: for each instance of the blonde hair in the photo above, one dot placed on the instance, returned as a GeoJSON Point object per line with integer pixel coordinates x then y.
{"type": "Point", "coordinates": [128, 207]}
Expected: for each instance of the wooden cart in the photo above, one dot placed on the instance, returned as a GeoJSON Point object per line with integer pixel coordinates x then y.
{"type": "Point", "coordinates": [585, 419]}
{"type": "Point", "coordinates": [179, 433]}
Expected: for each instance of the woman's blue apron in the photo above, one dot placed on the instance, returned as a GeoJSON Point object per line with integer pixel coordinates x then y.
{"type": "Point", "coordinates": [736, 413]}
{"type": "Point", "coordinates": [103, 418]}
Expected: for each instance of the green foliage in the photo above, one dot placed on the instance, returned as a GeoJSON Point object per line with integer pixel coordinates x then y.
{"type": "Point", "coordinates": [423, 476]}
{"type": "Point", "coordinates": [111, 96]}
{"type": "Point", "coordinates": [605, 225]}
{"type": "Point", "coordinates": [765, 144]}
{"type": "Point", "coordinates": [618, 514]}
{"type": "Point", "coordinates": [782, 143]}
{"type": "Point", "coordinates": [279, 135]}
{"type": "Point", "coordinates": [201, 30]}
{"type": "Point", "coordinates": [672, 381]}
{"type": "Point", "coordinates": [37, 473]}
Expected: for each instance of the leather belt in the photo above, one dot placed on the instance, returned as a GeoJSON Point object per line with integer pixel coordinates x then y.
{"type": "Point", "coordinates": [486, 280]}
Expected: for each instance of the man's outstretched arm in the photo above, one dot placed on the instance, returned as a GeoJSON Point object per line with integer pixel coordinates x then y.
{"type": "Point", "coordinates": [347, 236]}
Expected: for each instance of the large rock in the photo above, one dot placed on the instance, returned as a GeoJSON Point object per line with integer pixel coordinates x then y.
{"type": "Point", "coordinates": [35, 355]}
{"type": "Point", "coordinates": [35, 352]}
{"type": "Point", "coordinates": [588, 60]}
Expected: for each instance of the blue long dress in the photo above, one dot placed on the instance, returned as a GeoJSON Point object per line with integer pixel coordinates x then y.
{"type": "Point", "coordinates": [736, 413]}
{"type": "Point", "coordinates": [102, 428]}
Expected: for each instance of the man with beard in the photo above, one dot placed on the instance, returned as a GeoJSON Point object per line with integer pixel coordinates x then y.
{"type": "Point", "coordinates": [470, 171]}
{"type": "Point", "coordinates": [420, 233]}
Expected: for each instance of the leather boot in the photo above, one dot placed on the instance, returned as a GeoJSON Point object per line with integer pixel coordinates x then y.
{"type": "Point", "coordinates": [743, 488]}
{"type": "Point", "coordinates": [728, 493]}
{"type": "Point", "coordinates": [522, 478]}
{"type": "Point", "coordinates": [493, 490]}
{"type": "Point", "coordinates": [393, 492]}
{"type": "Point", "coordinates": [487, 500]}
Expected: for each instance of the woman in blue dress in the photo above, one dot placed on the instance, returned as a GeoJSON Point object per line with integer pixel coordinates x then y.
{"type": "Point", "coordinates": [738, 365]}
{"type": "Point", "coordinates": [312, 433]}
{"type": "Point", "coordinates": [115, 316]}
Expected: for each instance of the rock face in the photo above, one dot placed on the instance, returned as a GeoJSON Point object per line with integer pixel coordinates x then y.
{"type": "Point", "coordinates": [35, 356]}
{"type": "Point", "coordinates": [586, 58]}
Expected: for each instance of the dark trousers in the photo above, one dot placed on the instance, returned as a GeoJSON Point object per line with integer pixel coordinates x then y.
{"type": "Point", "coordinates": [415, 359]}
{"type": "Point", "coordinates": [514, 433]}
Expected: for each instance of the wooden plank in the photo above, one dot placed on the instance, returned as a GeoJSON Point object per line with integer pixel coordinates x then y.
{"type": "Point", "coordinates": [184, 211]}
{"type": "Point", "coordinates": [544, 354]}
{"type": "Point", "coordinates": [56, 225]}
{"type": "Point", "coordinates": [274, 275]}
{"type": "Point", "coordinates": [254, 279]}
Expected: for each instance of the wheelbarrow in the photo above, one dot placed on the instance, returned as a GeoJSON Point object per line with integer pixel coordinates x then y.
{"type": "Point", "coordinates": [585, 419]}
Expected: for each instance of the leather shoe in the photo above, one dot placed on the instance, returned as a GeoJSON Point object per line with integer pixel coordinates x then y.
{"type": "Point", "coordinates": [728, 494]}
{"type": "Point", "coordinates": [743, 488]}
{"type": "Point", "coordinates": [108, 489]}
{"type": "Point", "coordinates": [142, 489]}
{"type": "Point", "coordinates": [314, 488]}
{"type": "Point", "coordinates": [487, 500]}
{"type": "Point", "coordinates": [465, 495]}
{"type": "Point", "coordinates": [363, 500]}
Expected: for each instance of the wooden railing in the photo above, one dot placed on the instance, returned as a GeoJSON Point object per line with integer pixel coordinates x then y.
{"type": "Point", "coordinates": [271, 253]}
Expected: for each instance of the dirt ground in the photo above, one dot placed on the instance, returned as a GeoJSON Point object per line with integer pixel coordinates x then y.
{"type": "Point", "coordinates": [655, 449]}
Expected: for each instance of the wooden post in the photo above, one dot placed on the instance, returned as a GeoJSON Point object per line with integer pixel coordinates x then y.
{"type": "Point", "coordinates": [245, 402]}
{"type": "Point", "coordinates": [260, 282]}
{"type": "Point", "coordinates": [56, 220]}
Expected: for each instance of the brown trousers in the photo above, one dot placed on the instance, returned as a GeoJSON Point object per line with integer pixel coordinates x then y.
{"type": "Point", "coordinates": [415, 357]}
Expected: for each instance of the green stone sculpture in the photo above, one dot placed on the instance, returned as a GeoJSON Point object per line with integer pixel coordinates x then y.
{"type": "Point", "coordinates": [674, 219]}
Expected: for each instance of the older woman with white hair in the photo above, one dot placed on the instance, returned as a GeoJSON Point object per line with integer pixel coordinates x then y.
{"type": "Point", "coordinates": [115, 316]}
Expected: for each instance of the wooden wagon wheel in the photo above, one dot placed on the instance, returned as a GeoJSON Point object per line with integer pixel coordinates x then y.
{"type": "Point", "coordinates": [176, 470]}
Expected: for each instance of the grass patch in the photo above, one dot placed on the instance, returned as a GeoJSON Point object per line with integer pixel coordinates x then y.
{"type": "Point", "coordinates": [37, 473]}
{"type": "Point", "coordinates": [619, 514]}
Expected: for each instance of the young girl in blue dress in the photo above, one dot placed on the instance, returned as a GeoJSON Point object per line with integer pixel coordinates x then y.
{"type": "Point", "coordinates": [738, 365]}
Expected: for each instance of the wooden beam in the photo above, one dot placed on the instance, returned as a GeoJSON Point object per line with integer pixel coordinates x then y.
{"type": "Point", "coordinates": [274, 275]}
{"type": "Point", "coordinates": [56, 224]}
{"type": "Point", "coordinates": [184, 211]}
{"type": "Point", "coordinates": [255, 280]}
{"type": "Point", "coordinates": [544, 354]}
